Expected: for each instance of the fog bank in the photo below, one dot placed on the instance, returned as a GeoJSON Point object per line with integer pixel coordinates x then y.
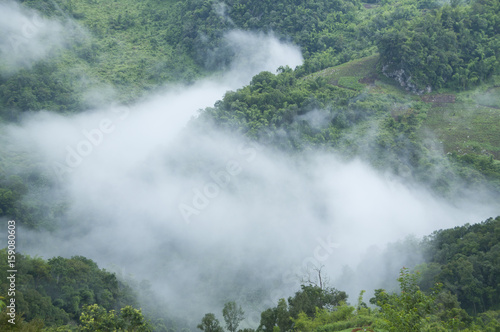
{"type": "Point", "coordinates": [207, 216]}
{"type": "Point", "coordinates": [28, 37]}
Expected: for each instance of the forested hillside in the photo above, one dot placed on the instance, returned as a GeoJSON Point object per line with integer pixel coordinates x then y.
{"type": "Point", "coordinates": [61, 291]}
{"type": "Point", "coordinates": [455, 289]}
{"type": "Point", "coordinates": [128, 49]}
{"type": "Point", "coordinates": [454, 47]}
{"type": "Point", "coordinates": [136, 46]}
{"type": "Point", "coordinates": [408, 88]}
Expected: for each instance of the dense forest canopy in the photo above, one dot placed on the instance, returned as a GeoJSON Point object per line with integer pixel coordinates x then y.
{"type": "Point", "coordinates": [454, 46]}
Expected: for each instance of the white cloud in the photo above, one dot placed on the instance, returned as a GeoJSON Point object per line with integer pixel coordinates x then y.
{"type": "Point", "coordinates": [261, 215]}
{"type": "Point", "coordinates": [27, 37]}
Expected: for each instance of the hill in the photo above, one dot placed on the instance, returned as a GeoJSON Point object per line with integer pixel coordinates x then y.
{"type": "Point", "coordinates": [410, 88]}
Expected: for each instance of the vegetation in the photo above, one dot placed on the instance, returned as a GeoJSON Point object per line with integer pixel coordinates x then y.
{"type": "Point", "coordinates": [465, 260]}
{"type": "Point", "coordinates": [376, 79]}
{"type": "Point", "coordinates": [233, 315]}
{"type": "Point", "coordinates": [56, 291]}
{"type": "Point", "coordinates": [386, 127]}
{"type": "Point", "coordinates": [453, 46]}
{"type": "Point", "coordinates": [456, 289]}
{"type": "Point", "coordinates": [95, 318]}
{"type": "Point", "coordinates": [210, 324]}
{"type": "Point", "coordinates": [405, 311]}
{"type": "Point", "coordinates": [335, 100]}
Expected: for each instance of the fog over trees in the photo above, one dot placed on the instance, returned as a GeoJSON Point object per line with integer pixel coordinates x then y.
{"type": "Point", "coordinates": [250, 166]}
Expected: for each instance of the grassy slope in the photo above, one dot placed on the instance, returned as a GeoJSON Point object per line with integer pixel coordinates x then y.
{"type": "Point", "coordinates": [127, 44]}
{"type": "Point", "coordinates": [130, 45]}
{"type": "Point", "coordinates": [470, 124]}
{"type": "Point", "coordinates": [349, 75]}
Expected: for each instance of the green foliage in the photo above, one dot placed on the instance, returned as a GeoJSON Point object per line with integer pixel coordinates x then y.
{"type": "Point", "coordinates": [488, 321]}
{"type": "Point", "coordinates": [56, 290]}
{"type": "Point", "coordinates": [312, 297]}
{"type": "Point", "coordinates": [44, 86]}
{"type": "Point", "coordinates": [134, 47]}
{"type": "Point", "coordinates": [24, 189]}
{"type": "Point", "coordinates": [96, 318]}
{"type": "Point", "coordinates": [210, 324]}
{"type": "Point", "coordinates": [233, 315]}
{"type": "Point", "coordinates": [484, 164]}
{"type": "Point", "coordinates": [273, 101]}
{"type": "Point", "coordinates": [406, 311]}
{"type": "Point", "coordinates": [383, 126]}
{"type": "Point", "coordinates": [301, 308]}
{"type": "Point", "coordinates": [468, 126]}
{"type": "Point", "coordinates": [324, 29]}
{"type": "Point", "coordinates": [453, 46]}
{"type": "Point", "coordinates": [364, 68]}
{"type": "Point", "coordinates": [35, 325]}
{"type": "Point", "coordinates": [11, 191]}
{"type": "Point", "coordinates": [469, 260]}
{"type": "Point", "coordinates": [276, 319]}
{"type": "Point", "coordinates": [137, 46]}
{"type": "Point", "coordinates": [361, 306]}
{"type": "Point", "coordinates": [323, 317]}
{"type": "Point", "coordinates": [129, 47]}
{"type": "Point", "coordinates": [351, 82]}
{"type": "Point", "coordinates": [336, 318]}
{"type": "Point", "coordinates": [463, 261]}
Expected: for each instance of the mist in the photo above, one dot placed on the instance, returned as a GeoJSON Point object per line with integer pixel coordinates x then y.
{"type": "Point", "coordinates": [208, 216]}
{"type": "Point", "coordinates": [27, 37]}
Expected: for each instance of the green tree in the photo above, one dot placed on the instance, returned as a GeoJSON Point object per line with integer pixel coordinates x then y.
{"type": "Point", "coordinates": [277, 318]}
{"type": "Point", "coordinates": [406, 311]}
{"type": "Point", "coordinates": [283, 316]}
{"type": "Point", "coordinates": [311, 297]}
{"type": "Point", "coordinates": [233, 315]}
{"type": "Point", "coordinates": [267, 320]}
{"type": "Point", "coordinates": [210, 324]}
{"type": "Point", "coordinates": [96, 318]}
